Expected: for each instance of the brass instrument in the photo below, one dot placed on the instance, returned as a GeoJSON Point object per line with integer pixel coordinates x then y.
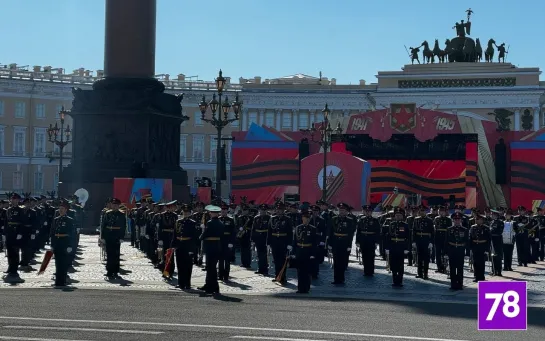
{"type": "Point", "coordinates": [242, 232]}
{"type": "Point", "coordinates": [492, 256]}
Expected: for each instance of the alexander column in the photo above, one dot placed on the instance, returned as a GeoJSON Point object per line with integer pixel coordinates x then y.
{"type": "Point", "coordinates": [126, 119]}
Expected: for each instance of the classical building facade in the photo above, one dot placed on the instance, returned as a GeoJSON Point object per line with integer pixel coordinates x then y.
{"type": "Point", "coordinates": [31, 99]}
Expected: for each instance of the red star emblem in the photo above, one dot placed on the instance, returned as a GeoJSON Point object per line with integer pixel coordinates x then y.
{"type": "Point", "coordinates": [402, 120]}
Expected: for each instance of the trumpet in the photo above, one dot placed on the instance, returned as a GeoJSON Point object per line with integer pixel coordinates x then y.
{"type": "Point", "coordinates": [242, 232]}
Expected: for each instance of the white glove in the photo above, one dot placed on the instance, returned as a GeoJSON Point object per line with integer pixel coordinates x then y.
{"type": "Point", "coordinates": [311, 257]}
{"type": "Point", "coordinates": [157, 225]}
{"type": "Point", "coordinates": [358, 244]}
{"type": "Point", "coordinates": [486, 253]}
{"type": "Point", "coordinates": [322, 243]}
{"type": "Point", "coordinates": [3, 239]}
{"type": "Point", "coordinates": [414, 245]}
{"type": "Point", "coordinates": [329, 247]}
{"type": "Point", "coordinates": [202, 226]}
{"type": "Point", "coordinates": [446, 258]}
{"type": "Point", "coordinates": [292, 256]}
{"type": "Point", "coordinates": [405, 252]}
{"type": "Point", "coordinates": [147, 236]}
{"type": "Point", "coordinates": [37, 232]}
{"type": "Point", "coordinates": [19, 237]}
{"type": "Point", "coordinates": [69, 249]}
{"type": "Point", "coordinates": [160, 243]}
{"type": "Point", "coordinates": [241, 228]}
{"type": "Point", "coordinates": [290, 247]}
{"type": "Point", "coordinates": [230, 246]}
{"type": "Point", "coordinates": [190, 253]}
{"type": "Point", "coordinates": [537, 239]}
{"type": "Point", "coordinates": [430, 246]}
{"type": "Point", "coordinates": [520, 225]}
{"type": "Point", "coordinates": [32, 236]}
{"type": "Point", "coordinates": [45, 223]}
{"type": "Point", "coordinates": [348, 249]}
{"type": "Point", "coordinates": [387, 252]}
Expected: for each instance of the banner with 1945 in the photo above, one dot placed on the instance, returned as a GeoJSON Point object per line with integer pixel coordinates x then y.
{"type": "Point", "coordinates": [502, 306]}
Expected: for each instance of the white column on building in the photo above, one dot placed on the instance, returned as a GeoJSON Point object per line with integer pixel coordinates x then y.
{"type": "Point", "coordinates": [517, 119]}
{"type": "Point", "coordinates": [278, 120]}
{"type": "Point", "coordinates": [295, 119]}
{"type": "Point", "coordinates": [536, 119]}
{"type": "Point", "coordinates": [244, 118]}
{"type": "Point", "coordinates": [261, 117]}
{"type": "Point", "coordinates": [311, 117]}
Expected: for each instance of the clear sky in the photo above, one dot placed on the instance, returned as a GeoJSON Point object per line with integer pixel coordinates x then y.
{"type": "Point", "coordinates": [345, 39]}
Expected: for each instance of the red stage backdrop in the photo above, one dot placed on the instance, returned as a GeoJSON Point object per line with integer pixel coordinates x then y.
{"type": "Point", "coordinates": [527, 173]}
{"type": "Point", "coordinates": [262, 171]}
{"type": "Point", "coordinates": [347, 179]}
{"type": "Point", "coordinates": [428, 178]}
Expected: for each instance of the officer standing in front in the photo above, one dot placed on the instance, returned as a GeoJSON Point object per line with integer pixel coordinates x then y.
{"type": "Point", "coordinates": [185, 242]}
{"type": "Point", "coordinates": [479, 241]}
{"type": "Point", "coordinates": [540, 222]}
{"type": "Point", "coordinates": [280, 239]}
{"type": "Point", "coordinates": [321, 230]}
{"type": "Point", "coordinates": [340, 242]}
{"type": "Point", "coordinates": [305, 245]}
{"type": "Point", "coordinates": [211, 237]}
{"type": "Point", "coordinates": [227, 243]}
{"type": "Point", "coordinates": [455, 248]}
{"type": "Point", "coordinates": [397, 246]}
{"type": "Point", "coordinates": [442, 223]}
{"type": "Point", "coordinates": [260, 229]}
{"type": "Point", "coordinates": [113, 230]}
{"type": "Point", "coordinates": [14, 235]}
{"type": "Point", "coordinates": [522, 226]}
{"type": "Point", "coordinates": [423, 236]}
{"type": "Point", "coordinates": [367, 237]}
{"type": "Point", "coordinates": [165, 234]}
{"type": "Point", "coordinates": [62, 239]}
{"type": "Point", "coordinates": [496, 234]}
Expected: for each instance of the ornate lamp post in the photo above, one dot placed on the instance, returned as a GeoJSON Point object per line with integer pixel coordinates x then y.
{"type": "Point", "coordinates": [219, 122]}
{"type": "Point", "coordinates": [325, 141]}
{"type": "Point", "coordinates": [60, 136]}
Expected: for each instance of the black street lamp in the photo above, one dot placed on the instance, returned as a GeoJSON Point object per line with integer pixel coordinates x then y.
{"type": "Point", "coordinates": [60, 136]}
{"type": "Point", "coordinates": [219, 122]}
{"type": "Point", "coordinates": [325, 141]}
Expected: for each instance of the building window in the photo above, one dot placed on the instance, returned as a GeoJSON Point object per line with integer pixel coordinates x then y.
{"type": "Point", "coordinates": [2, 136]}
{"type": "Point", "coordinates": [38, 181]}
{"type": "Point", "coordinates": [40, 110]}
{"type": "Point", "coordinates": [39, 142]}
{"type": "Point", "coordinates": [197, 118]}
{"type": "Point", "coordinates": [183, 146]}
{"type": "Point", "coordinates": [252, 118]}
{"type": "Point", "coordinates": [1, 108]}
{"type": "Point", "coordinates": [19, 137]}
{"type": "Point", "coordinates": [20, 109]}
{"type": "Point", "coordinates": [55, 181]}
{"type": "Point", "coordinates": [17, 180]}
{"type": "Point", "coordinates": [58, 109]}
{"type": "Point", "coordinates": [198, 148]}
{"type": "Point", "coordinates": [319, 118]}
{"type": "Point", "coordinates": [213, 147]}
{"type": "Point", "coordinates": [303, 121]}
{"type": "Point", "coordinates": [269, 119]}
{"type": "Point", "coordinates": [286, 120]}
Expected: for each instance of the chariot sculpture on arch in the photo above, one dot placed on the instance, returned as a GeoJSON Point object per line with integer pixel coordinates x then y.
{"type": "Point", "coordinates": [460, 49]}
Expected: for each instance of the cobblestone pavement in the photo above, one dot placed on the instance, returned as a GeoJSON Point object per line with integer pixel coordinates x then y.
{"type": "Point", "coordinates": [139, 274]}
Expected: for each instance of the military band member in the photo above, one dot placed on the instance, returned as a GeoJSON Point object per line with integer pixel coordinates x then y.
{"type": "Point", "coordinates": [62, 240]}
{"type": "Point", "coordinates": [211, 237]}
{"type": "Point", "coordinates": [479, 241]}
{"type": "Point", "coordinates": [153, 216]}
{"type": "Point", "coordinates": [321, 230]}
{"type": "Point", "coordinates": [533, 240]}
{"type": "Point", "coordinates": [227, 243]}
{"type": "Point", "coordinates": [260, 229]}
{"type": "Point", "coordinates": [341, 237]}
{"type": "Point", "coordinates": [185, 242]}
{"type": "Point", "coordinates": [244, 235]}
{"type": "Point", "coordinates": [441, 223]}
{"type": "Point", "coordinates": [385, 220]}
{"type": "Point", "coordinates": [280, 239]}
{"type": "Point", "coordinates": [201, 219]}
{"type": "Point", "coordinates": [508, 237]}
{"type": "Point", "coordinates": [140, 224]}
{"type": "Point", "coordinates": [540, 222]}
{"type": "Point", "coordinates": [396, 246]}
{"type": "Point", "coordinates": [496, 235]}
{"type": "Point", "coordinates": [13, 232]}
{"type": "Point", "coordinates": [305, 244]}
{"type": "Point", "coordinates": [455, 245]}
{"type": "Point", "coordinates": [434, 212]}
{"type": "Point", "coordinates": [165, 233]}
{"type": "Point", "coordinates": [423, 234]}
{"type": "Point", "coordinates": [3, 209]}
{"type": "Point", "coordinates": [113, 230]}
{"type": "Point", "coordinates": [411, 214]}
{"type": "Point", "coordinates": [367, 237]}
{"type": "Point", "coordinates": [521, 227]}
{"type": "Point", "coordinates": [29, 227]}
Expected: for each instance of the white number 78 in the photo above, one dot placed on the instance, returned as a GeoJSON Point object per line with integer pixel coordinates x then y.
{"type": "Point", "coordinates": [510, 301]}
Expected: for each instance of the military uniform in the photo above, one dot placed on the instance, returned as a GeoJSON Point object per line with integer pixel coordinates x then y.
{"type": "Point", "coordinates": [3, 206]}
{"type": "Point", "coordinates": [456, 241]}
{"type": "Point", "coordinates": [62, 240]}
{"type": "Point", "coordinates": [533, 240]}
{"type": "Point", "coordinates": [367, 236]}
{"type": "Point", "coordinates": [165, 233]}
{"type": "Point", "coordinates": [423, 235]}
{"type": "Point", "coordinates": [496, 250]}
{"type": "Point", "coordinates": [321, 230]}
{"type": "Point", "coordinates": [508, 240]}
{"type": "Point", "coordinates": [227, 243]}
{"type": "Point", "coordinates": [211, 237]}
{"type": "Point", "coordinates": [479, 241]}
{"type": "Point", "coordinates": [441, 223]}
{"type": "Point", "coordinates": [29, 234]}
{"type": "Point", "coordinates": [244, 235]}
{"type": "Point", "coordinates": [521, 227]}
{"type": "Point", "coordinates": [396, 246]}
{"type": "Point", "coordinates": [186, 238]}
{"type": "Point", "coordinates": [540, 223]}
{"type": "Point", "coordinates": [260, 229]}
{"type": "Point", "coordinates": [200, 218]}
{"type": "Point", "coordinates": [341, 236]}
{"type": "Point", "coordinates": [112, 231]}
{"type": "Point", "coordinates": [14, 231]}
{"type": "Point", "coordinates": [280, 239]}
{"type": "Point", "coordinates": [305, 245]}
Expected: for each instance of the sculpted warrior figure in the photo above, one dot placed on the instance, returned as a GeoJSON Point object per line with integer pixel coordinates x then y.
{"type": "Point", "coordinates": [414, 54]}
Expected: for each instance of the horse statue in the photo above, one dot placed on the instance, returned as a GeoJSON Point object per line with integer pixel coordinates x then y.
{"type": "Point", "coordinates": [427, 54]}
{"type": "Point", "coordinates": [478, 51]}
{"type": "Point", "coordinates": [437, 52]}
{"type": "Point", "coordinates": [489, 52]}
{"type": "Point", "coordinates": [469, 51]}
